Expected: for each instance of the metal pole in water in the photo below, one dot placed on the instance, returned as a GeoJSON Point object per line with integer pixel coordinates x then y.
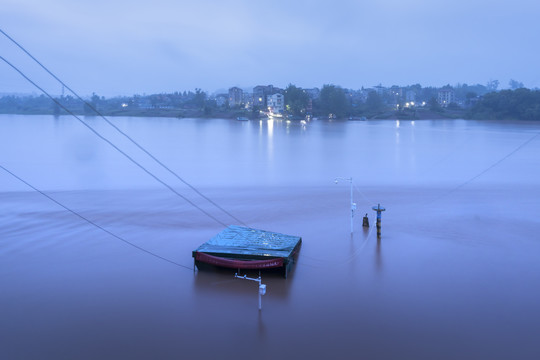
{"type": "Point", "coordinates": [262, 287]}
{"type": "Point", "coordinates": [379, 210]}
{"type": "Point", "coordinates": [353, 205]}
{"type": "Point", "coordinates": [262, 291]}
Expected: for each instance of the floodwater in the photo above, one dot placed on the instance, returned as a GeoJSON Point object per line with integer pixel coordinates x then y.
{"type": "Point", "coordinates": [455, 275]}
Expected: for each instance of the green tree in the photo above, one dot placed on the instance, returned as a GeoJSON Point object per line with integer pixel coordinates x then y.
{"type": "Point", "coordinates": [333, 100]}
{"type": "Point", "coordinates": [428, 93]}
{"type": "Point", "coordinates": [520, 104]}
{"type": "Point", "coordinates": [94, 101]}
{"type": "Point", "coordinates": [492, 85]}
{"type": "Point", "coordinates": [514, 84]}
{"type": "Point", "coordinates": [374, 102]}
{"type": "Point", "coordinates": [199, 98]}
{"type": "Point", "coordinates": [296, 100]}
{"type": "Point", "coordinates": [469, 96]}
{"type": "Point", "coordinates": [56, 107]}
{"type": "Point", "coordinates": [453, 106]}
{"type": "Point", "coordinates": [434, 105]}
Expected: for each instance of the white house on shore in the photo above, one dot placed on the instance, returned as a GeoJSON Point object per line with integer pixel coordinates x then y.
{"type": "Point", "coordinates": [446, 96]}
{"type": "Point", "coordinates": [276, 103]}
{"type": "Point", "coordinates": [236, 96]}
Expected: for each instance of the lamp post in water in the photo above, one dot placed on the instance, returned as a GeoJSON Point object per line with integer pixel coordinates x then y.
{"type": "Point", "coordinates": [353, 205]}
{"type": "Point", "coordinates": [262, 287]}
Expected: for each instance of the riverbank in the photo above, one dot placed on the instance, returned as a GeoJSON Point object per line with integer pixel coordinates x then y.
{"type": "Point", "coordinates": [157, 112]}
{"type": "Point", "coordinates": [418, 114]}
{"type": "Point", "coordinates": [408, 114]}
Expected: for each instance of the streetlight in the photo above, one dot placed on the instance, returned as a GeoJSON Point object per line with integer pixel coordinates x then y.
{"type": "Point", "coordinates": [262, 287]}
{"type": "Point", "coordinates": [353, 205]}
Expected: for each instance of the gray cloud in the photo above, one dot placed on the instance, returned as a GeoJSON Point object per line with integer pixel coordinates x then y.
{"type": "Point", "coordinates": [126, 47]}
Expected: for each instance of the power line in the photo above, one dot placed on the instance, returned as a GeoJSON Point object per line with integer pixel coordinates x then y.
{"type": "Point", "coordinates": [496, 163]}
{"type": "Point", "coordinates": [114, 146]}
{"type": "Point", "coordinates": [471, 179]}
{"type": "Point", "coordinates": [93, 223]}
{"type": "Point", "coordinates": [122, 132]}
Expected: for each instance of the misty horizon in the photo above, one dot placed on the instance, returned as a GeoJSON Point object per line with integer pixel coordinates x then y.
{"type": "Point", "coordinates": [223, 90]}
{"type": "Point", "coordinates": [133, 48]}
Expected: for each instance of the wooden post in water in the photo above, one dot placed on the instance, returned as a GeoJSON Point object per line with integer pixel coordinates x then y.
{"type": "Point", "coordinates": [365, 221]}
{"type": "Point", "coordinates": [379, 210]}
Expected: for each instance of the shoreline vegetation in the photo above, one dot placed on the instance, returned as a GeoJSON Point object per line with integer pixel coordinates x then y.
{"type": "Point", "coordinates": [331, 101]}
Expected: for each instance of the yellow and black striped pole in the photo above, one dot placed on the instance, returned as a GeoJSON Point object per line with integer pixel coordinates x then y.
{"type": "Point", "coordinates": [379, 209]}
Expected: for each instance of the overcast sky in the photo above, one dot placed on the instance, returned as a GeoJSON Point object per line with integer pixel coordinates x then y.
{"type": "Point", "coordinates": [134, 47]}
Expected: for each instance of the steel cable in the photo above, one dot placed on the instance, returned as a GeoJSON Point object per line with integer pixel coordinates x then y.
{"type": "Point", "coordinates": [140, 147]}
{"type": "Point", "coordinates": [113, 145]}
{"type": "Point", "coordinates": [91, 222]}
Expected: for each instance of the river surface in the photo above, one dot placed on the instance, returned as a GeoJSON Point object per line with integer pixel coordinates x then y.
{"type": "Point", "coordinates": [456, 273]}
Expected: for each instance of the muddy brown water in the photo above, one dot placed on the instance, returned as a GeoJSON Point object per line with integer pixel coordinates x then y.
{"type": "Point", "coordinates": [455, 274]}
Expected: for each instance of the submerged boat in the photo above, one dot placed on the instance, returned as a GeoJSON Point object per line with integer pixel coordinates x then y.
{"type": "Point", "coordinates": [239, 247]}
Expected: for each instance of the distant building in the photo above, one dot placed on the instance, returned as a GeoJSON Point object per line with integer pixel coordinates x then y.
{"type": "Point", "coordinates": [260, 94]}
{"type": "Point", "coordinates": [446, 96]}
{"type": "Point", "coordinates": [248, 100]}
{"type": "Point", "coordinates": [410, 96]}
{"type": "Point", "coordinates": [309, 107]}
{"type": "Point", "coordinates": [275, 103]}
{"type": "Point", "coordinates": [356, 96]}
{"type": "Point", "coordinates": [381, 90]}
{"type": "Point", "coordinates": [236, 96]}
{"type": "Point", "coordinates": [396, 91]}
{"type": "Point", "coordinates": [144, 104]}
{"type": "Point", "coordinates": [396, 94]}
{"type": "Point", "coordinates": [363, 94]}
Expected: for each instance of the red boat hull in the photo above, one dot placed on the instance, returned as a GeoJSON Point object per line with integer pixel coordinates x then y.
{"type": "Point", "coordinates": [239, 264]}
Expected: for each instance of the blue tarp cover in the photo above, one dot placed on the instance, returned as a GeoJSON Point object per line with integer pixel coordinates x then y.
{"type": "Point", "coordinates": [247, 241]}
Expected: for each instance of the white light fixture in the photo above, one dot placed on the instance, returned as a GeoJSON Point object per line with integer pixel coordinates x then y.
{"type": "Point", "coordinates": [353, 204]}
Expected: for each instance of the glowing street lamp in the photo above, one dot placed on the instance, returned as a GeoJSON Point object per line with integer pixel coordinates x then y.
{"type": "Point", "coordinates": [353, 205]}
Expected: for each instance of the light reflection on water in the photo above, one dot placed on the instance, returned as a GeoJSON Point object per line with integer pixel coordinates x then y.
{"type": "Point", "coordinates": [454, 274]}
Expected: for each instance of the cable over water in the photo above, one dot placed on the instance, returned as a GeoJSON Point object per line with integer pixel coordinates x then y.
{"type": "Point", "coordinates": [479, 174]}
{"type": "Point", "coordinates": [362, 194]}
{"type": "Point", "coordinates": [93, 223]}
{"type": "Point", "coordinates": [140, 147]}
{"type": "Point", "coordinates": [113, 145]}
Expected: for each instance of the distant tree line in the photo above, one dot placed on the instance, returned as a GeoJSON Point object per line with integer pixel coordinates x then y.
{"type": "Point", "coordinates": [333, 101]}
{"type": "Point", "coordinates": [146, 105]}
{"type": "Point", "coordinates": [475, 102]}
{"type": "Point", "coordinates": [519, 104]}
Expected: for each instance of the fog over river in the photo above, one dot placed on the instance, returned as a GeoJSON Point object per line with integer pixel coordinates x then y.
{"type": "Point", "coordinates": [455, 275]}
